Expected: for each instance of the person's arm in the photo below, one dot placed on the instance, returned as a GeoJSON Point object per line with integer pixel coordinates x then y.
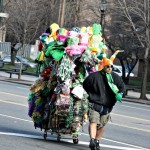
{"type": "Point", "coordinates": [119, 83]}
{"type": "Point", "coordinates": [121, 86]}
{"type": "Point", "coordinates": [87, 83]}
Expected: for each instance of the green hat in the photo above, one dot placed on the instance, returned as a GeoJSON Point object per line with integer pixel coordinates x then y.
{"type": "Point", "coordinates": [57, 54]}
{"type": "Point", "coordinates": [96, 28]}
{"type": "Point", "coordinates": [48, 50]}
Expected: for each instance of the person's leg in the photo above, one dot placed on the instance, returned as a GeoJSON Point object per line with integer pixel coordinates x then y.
{"type": "Point", "coordinates": [93, 130]}
{"type": "Point", "coordinates": [93, 118]}
{"type": "Point", "coordinates": [95, 135]}
{"type": "Point", "coordinates": [99, 133]}
{"type": "Point", "coordinates": [100, 130]}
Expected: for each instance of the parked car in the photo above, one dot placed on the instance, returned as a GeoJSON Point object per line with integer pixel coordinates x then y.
{"type": "Point", "coordinates": [118, 70]}
{"type": "Point", "coordinates": [18, 59]}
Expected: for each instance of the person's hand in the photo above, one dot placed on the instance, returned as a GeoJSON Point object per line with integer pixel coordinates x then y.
{"type": "Point", "coordinates": [119, 97]}
{"type": "Point", "coordinates": [85, 117]}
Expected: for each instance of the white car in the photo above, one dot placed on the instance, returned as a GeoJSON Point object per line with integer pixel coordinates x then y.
{"type": "Point", "coordinates": [118, 70]}
{"type": "Point", "coordinates": [18, 59]}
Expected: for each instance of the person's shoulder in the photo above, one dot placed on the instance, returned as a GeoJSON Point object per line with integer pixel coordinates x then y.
{"type": "Point", "coordinates": [94, 74]}
{"type": "Point", "coordinates": [115, 75]}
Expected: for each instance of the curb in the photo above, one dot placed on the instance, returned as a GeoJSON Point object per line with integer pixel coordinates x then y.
{"type": "Point", "coordinates": [17, 82]}
{"type": "Point", "coordinates": [24, 73]}
{"type": "Point", "coordinates": [137, 100]}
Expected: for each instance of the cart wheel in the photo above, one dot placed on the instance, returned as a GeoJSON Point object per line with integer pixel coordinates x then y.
{"type": "Point", "coordinates": [58, 137]}
{"type": "Point", "coordinates": [75, 141]}
{"type": "Point", "coordinates": [45, 135]}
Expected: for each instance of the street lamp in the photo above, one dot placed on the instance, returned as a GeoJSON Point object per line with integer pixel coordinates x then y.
{"type": "Point", "coordinates": [103, 4]}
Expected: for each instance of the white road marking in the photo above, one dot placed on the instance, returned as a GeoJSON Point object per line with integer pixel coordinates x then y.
{"type": "Point", "coordinates": [23, 88]}
{"type": "Point", "coordinates": [118, 142]}
{"type": "Point", "coordinates": [21, 135]}
{"type": "Point", "coordinates": [15, 118]}
{"type": "Point", "coordinates": [104, 145]}
{"type": "Point", "coordinates": [80, 142]}
{"type": "Point", "coordinates": [69, 141]}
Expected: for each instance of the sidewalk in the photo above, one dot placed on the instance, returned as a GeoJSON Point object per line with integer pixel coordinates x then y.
{"type": "Point", "coordinates": [25, 79]}
{"type": "Point", "coordinates": [29, 80]}
{"type": "Point", "coordinates": [133, 96]}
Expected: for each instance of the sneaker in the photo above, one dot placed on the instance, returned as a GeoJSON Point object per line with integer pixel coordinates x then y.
{"type": "Point", "coordinates": [92, 144]}
{"type": "Point", "coordinates": [97, 145]}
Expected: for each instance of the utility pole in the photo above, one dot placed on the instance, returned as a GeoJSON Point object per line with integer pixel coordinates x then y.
{"type": "Point", "coordinates": [61, 13]}
{"type": "Point", "coordinates": [103, 4]}
{"type": "Point", "coordinates": [3, 17]}
{"type": "Point", "coordinates": [1, 5]}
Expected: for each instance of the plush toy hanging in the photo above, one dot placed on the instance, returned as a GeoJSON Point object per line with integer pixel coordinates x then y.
{"type": "Point", "coordinates": [62, 35]}
{"type": "Point", "coordinates": [49, 39]}
{"type": "Point", "coordinates": [53, 28]}
{"type": "Point", "coordinates": [95, 39]}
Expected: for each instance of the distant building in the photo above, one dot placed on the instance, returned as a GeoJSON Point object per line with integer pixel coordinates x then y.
{"type": "Point", "coordinates": [3, 16]}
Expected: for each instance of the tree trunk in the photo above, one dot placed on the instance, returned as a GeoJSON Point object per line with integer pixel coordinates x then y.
{"type": "Point", "coordinates": [13, 55]}
{"type": "Point", "coordinates": [20, 70]}
{"type": "Point", "coordinates": [144, 77]}
{"type": "Point", "coordinates": [62, 13]}
{"type": "Point", "coordinates": [147, 49]}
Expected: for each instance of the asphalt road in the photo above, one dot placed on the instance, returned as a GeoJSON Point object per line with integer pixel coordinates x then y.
{"type": "Point", "coordinates": [129, 129]}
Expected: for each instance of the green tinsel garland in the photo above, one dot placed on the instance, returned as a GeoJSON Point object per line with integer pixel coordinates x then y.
{"type": "Point", "coordinates": [45, 92]}
{"type": "Point", "coordinates": [30, 97]}
{"type": "Point", "coordinates": [36, 117]}
{"type": "Point", "coordinates": [38, 101]}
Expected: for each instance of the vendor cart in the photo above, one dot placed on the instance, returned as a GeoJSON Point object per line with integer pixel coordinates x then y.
{"type": "Point", "coordinates": [57, 101]}
{"type": "Point", "coordinates": [64, 117]}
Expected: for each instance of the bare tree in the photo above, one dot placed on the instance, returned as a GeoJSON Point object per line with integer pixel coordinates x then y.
{"type": "Point", "coordinates": [81, 13]}
{"type": "Point", "coordinates": [26, 19]}
{"type": "Point", "coordinates": [118, 36]}
{"type": "Point", "coordinates": [137, 13]}
{"type": "Point", "coordinates": [89, 12]}
{"type": "Point", "coordinates": [129, 58]}
{"type": "Point", "coordinates": [71, 15]}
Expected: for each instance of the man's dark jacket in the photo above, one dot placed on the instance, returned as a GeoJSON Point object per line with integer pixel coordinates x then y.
{"type": "Point", "coordinates": [99, 92]}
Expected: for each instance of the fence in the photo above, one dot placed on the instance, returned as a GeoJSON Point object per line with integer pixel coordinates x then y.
{"type": "Point", "coordinates": [5, 47]}
{"type": "Point", "coordinates": [29, 51]}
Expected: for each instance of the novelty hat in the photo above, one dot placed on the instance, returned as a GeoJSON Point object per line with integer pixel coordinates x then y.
{"type": "Point", "coordinates": [106, 61]}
